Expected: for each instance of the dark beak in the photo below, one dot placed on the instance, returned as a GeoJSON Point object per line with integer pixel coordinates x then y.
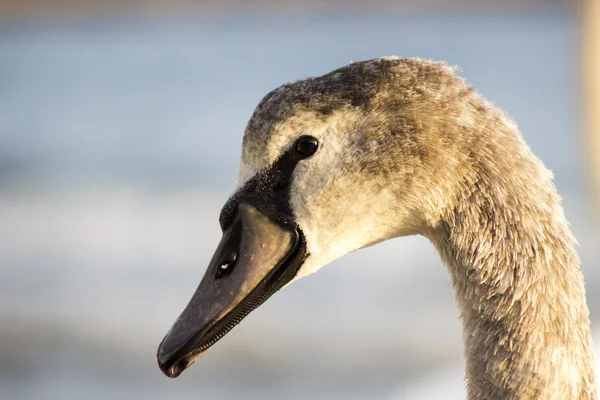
{"type": "Point", "coordinates": [255, 258]}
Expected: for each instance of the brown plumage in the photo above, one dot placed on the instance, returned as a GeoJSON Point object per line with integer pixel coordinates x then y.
{"type": "Point", "coordinates": [407, 147]}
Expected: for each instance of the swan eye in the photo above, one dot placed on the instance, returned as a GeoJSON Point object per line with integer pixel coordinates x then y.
{"type": "Point", "coordinates": [226, 266]}
{"type": "Point", "coordinates": [306, 146]}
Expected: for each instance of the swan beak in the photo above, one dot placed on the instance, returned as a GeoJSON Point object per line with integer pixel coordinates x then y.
{"type": "Point", "coordinates": [255, 258]}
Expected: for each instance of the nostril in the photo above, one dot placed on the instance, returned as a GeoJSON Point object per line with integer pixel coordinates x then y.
{"type": "Point", "coordinates": [226, 266]}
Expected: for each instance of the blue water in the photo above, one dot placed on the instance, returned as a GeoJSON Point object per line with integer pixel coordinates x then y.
{"type": "Point", "coordinates": [119, 141]}
{"type": "Point", "coordinates": [164, 102]}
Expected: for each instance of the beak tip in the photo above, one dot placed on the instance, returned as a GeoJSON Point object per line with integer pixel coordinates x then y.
{"type": "Point", "coordinates": [171, 368]}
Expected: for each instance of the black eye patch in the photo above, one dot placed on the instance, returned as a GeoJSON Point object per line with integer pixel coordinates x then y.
{"type": "Point", "coordinates": [269, 190]}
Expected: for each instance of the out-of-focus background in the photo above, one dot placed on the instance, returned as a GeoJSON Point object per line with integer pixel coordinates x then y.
{"type": "Point", "coordinates": [120, 132]}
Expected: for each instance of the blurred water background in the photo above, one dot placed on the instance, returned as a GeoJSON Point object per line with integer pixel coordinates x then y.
{"type": "Point", "coordinates": [120, 135]}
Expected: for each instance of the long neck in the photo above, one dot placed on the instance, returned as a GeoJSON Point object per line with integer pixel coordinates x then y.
{"type": "Point", "coordinates": [519, 289]}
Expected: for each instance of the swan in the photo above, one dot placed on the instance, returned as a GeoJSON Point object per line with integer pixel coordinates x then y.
{"type": "Point", "coordinates": [391, 147]}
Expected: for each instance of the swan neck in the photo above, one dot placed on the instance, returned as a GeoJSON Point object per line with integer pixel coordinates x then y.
{"type": "Point", "coordinates": [520, 293]}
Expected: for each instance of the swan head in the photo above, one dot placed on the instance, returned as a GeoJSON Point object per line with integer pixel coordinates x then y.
{"type": "Point", "coordinates": [329, 165]}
